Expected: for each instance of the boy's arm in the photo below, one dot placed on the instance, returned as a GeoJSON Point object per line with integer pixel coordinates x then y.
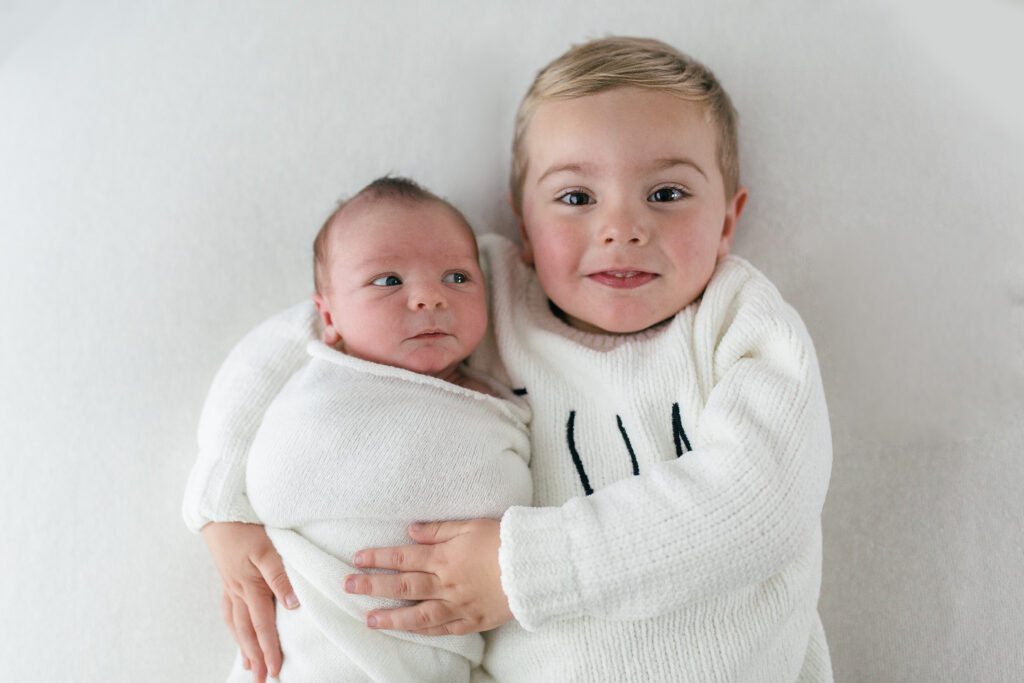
{"type": "Point", "coordinates": [253, 575]}
{"type": "Point", "coordinates": [731, 513]}
{"type": "Point", "coordinates": [215, 499]}
{"type": "Point", "coordinates": [251, 376]}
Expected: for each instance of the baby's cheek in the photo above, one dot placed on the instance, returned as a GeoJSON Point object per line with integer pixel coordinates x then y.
{"type": "Point", "coordinates": [476, 325]}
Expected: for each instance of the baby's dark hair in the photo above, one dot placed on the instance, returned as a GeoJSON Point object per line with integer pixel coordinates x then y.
{"type": "Point", "coordinates": [385, 188]}
{"type": "Point", "coordinates": [397, 187]}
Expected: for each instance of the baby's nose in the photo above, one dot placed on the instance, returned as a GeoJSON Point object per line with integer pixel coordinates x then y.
{"type": "Point", "coordinates": [427, 297]}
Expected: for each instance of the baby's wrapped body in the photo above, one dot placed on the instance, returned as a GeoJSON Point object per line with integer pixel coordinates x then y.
{"type": "Point", "coordinates": [348, 455]}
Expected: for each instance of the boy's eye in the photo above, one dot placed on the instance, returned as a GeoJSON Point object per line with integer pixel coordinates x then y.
{"type": "Point", "coordinates": [666, 194]}
{"type": "Point", "coordinates": [458, 277]}
{"type": "Point", "coordinates": [576, 198]}
{"type": "Point", "coordinates": [387, 281]}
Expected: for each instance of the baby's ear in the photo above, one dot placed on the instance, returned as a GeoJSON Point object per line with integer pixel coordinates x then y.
{"type": "Point", "coordinates": [331, 336]}
{"type": "Point", "coordinates": [526, 252]}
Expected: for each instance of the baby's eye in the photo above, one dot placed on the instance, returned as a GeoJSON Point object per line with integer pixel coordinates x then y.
{"type": "Point", "coordinates": [457, 277]}
{"type": "Point", "coordinates": [666, 194]}
{"type": "Point", "coordinates": [387, 281]}
{"type": "Point", "coordinates": [576, 198]}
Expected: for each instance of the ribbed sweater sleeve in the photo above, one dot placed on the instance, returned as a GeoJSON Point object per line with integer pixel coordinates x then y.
{"type": "Point", "coordinates": [251, 376]}
{"type": "Point", "coordinates": [735, 510]}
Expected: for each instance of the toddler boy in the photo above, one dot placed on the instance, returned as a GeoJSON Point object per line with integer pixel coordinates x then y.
{"type": "Point", "coordinates": [680, 440]}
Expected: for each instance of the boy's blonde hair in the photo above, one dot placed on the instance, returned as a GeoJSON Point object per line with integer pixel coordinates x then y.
{"type": "Point", "coordinates": [617, 62]}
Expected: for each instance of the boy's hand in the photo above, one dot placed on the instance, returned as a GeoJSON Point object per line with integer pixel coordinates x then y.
{"type": "Point", "coordinates": [454, 571]}
{"type": "Point", "coordinates": [253, 575]}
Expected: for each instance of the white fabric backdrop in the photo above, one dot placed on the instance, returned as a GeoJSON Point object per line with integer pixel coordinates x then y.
{"type": "Point", "coordinates": [165, 165]}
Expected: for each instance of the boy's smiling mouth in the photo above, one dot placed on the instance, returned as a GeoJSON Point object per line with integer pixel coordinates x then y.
{"type": "Point", "coordinates": [622, 279]}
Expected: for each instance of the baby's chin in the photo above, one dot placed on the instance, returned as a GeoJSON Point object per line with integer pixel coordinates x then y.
{"type": "Point", "coordinates": [424, 362]}
{"type": "Point", "coordinates": [443, 368]}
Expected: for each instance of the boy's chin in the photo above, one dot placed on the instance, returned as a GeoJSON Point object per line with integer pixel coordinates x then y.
{"type": "Point", "coordinates": [612, 324]}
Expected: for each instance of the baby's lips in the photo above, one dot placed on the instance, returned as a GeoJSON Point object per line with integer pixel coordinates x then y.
{"type": "Point", "coordinates": [429, 334]}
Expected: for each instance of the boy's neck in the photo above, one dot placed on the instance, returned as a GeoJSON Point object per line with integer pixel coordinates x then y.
{"type": "Point", "coordinates": [591, 329]}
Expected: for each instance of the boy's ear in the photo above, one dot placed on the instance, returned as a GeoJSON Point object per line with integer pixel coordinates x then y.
{"type": "Point", "coordinates": [331, 335]}
{"type": "Point", "coordinates": [526, 253]}
{"type": "Point", "coordinates": [732, 215]}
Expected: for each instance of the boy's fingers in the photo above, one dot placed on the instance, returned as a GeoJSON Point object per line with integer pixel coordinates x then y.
{"type": "Point", "coordinates": [435, 532]}
{"type": "Point", "coordinates": [434, 631]}
{"type": "Point", "coordinates": [428, 614]}
{"type": "Point", "coordinates": [226, 611]}
{"type": "Point", "coordinates": [264, 626]}
{"type": "Point", "coordinates": [404, 558]}
{"type": "Point", "coordinates": [404, 586]}
{"type": "Point", "coordinates": [272, 569]}
{"type": "Point", "coordinates": [247, 642]}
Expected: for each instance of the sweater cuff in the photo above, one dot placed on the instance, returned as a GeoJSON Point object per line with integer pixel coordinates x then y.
{"type": "Point", "coordinates": [537, 572]}
{"type": "Point", "coordinates": [199, 508]}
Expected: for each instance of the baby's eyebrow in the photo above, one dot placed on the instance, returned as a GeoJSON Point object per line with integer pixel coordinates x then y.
{"type": "Point", "coordinates": [372, 263]}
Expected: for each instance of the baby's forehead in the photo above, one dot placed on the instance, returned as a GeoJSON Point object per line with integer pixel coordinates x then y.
{"type": "Point", "coordinates": [385, 224]}
{"type": "Point", "coordinates": [362, 213]}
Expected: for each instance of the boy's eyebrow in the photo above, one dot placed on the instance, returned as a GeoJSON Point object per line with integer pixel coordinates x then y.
{"type": "Point", "coordinates": [657, 165]}
{"type": "Point", "coordinates": [662, 164]}
{"type": "Point", "coordinates": [574, 168]}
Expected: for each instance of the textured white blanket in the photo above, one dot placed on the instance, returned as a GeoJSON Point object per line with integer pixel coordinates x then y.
{"type": "Point", "coordinates": [350, 454]}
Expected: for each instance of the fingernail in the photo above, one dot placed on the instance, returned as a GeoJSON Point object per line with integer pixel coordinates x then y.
{"type": "Point", "coordinates": [290, 601]}
{"type": "Point", "coordinates": [245, 663]}
{"type": "Point", "coordinates": [350, 585]}
{"type": "Point", "coordinates": [358, 559]}
{"type": "Point", "coordinates": [416, 526]}
{"type": "Point", "coordinates": [371, 621]}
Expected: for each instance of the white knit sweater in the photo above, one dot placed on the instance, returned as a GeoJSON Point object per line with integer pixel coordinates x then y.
{"type": "Point", "coordinates": [679, 475]}
{"type": "Point", "coordinates": [704, 446]}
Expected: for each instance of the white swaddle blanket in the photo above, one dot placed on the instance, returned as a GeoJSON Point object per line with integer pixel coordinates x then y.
{"type": "Point", "coordinates": [348, 455]}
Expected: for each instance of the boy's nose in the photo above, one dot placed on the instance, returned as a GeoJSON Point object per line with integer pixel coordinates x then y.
{"type": "Point", "coordinates": [623, 225]}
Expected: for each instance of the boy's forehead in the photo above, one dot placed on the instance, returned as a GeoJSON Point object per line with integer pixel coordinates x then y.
{"type": "Point", "coordinates": [623, 124]}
